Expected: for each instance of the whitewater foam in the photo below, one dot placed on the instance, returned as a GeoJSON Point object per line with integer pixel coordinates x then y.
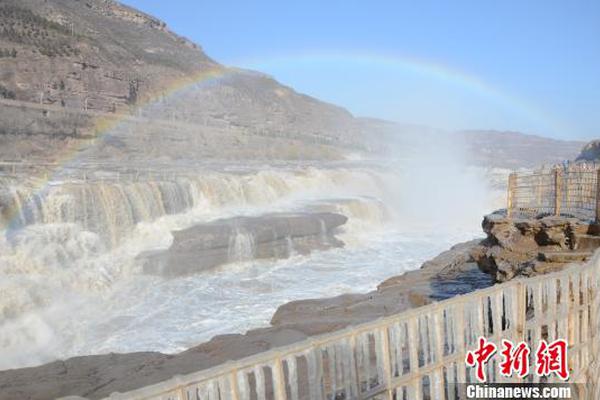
{"type": "Point", "coordinates": [70, 284]}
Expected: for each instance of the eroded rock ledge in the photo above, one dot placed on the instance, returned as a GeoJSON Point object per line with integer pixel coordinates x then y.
{"type": "Point", "coordinates": [279, 235]}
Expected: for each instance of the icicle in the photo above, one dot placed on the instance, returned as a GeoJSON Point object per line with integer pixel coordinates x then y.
{"type": "Point", "coordinates": [292, 376]}
{"type": "Point", "coordinates": [259, 375]}
{"type": "Point", "coordinates": [224, 389]}
{"type": "Point", "coordinates": [497, 313]}
{"type": "Point", "coordinates": [347, 367]}
{"type": "Point", "coordinates": [552, 306]}
{"type": "Point", "coordinates": [332, 369]}
{"type": "Point", "coordinates": [366, 356]}
{"type": "Point", "coordinates": [202, 392]}
{"type": "Point", "coordinates": [379, 355]}
{"type": "Point", "coordinates": [339, 368]}
{"type": "Point", "coordinates": [423, 339]}
{"type": "Point", "coordinates": [451, 381]}
{"type": "Point", "coordinates": [313, 358]}
{"type": "Point", "coordinates": [394, 350]}
{"type": "Point", "coordinates": [212, 390]}
{"type": "Point", "coordinates": [243, 385]}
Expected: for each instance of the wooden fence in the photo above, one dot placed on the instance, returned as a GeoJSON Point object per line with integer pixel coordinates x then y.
{"type": "Point", "coordinates": [570, 191]}
{"type": "Point", "coordinates": [418, 354]}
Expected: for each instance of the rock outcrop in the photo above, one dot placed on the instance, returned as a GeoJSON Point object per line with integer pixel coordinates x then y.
{"type": "Point", "coordinates": [526, 247]}
{"type": "Point", "coordinates": [590, 152]}
{"type": "Point", "coordinates": [236, 239]}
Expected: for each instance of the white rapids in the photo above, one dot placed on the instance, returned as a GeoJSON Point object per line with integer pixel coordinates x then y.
{"type": "Point", "coordinates": [70, 285]}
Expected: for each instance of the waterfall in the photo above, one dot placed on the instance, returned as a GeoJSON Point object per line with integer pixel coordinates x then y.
{"type": "Point", "coordinates": [112, 209]}
{"type": "Point", "coordinates": [76, 237]}
{"type": "Point", "coordinates": [83, 234]}
{"type": "Point", "coordinates": [241, 246]}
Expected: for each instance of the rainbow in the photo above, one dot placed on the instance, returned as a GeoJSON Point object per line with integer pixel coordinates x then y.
{"type": "Point", "coordinates": [104, 124]}
{"type": "Point", "coordinates": [438, 72]}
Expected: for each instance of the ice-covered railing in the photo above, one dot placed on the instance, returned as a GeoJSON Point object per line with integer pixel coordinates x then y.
{"type": "Point", "coordinates": [571, 191]}
{"type": "Point", "coordinates": [417, 354]}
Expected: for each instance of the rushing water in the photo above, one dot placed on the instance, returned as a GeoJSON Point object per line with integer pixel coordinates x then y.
{"type": "Point", "coordinates": [70, 283]}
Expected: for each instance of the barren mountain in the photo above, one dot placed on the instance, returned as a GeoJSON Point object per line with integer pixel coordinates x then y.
{"type": "Point", "coordinates": [98, 56]}
{"type": "Point", "coordinates": [75, 73]}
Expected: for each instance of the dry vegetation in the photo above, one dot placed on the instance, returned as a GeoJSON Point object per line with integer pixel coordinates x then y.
{"type": "Point", "coordinates": [19, 25]}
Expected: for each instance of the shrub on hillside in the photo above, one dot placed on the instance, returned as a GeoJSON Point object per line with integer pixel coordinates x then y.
{"type": "Point", "coordinates": [6, 93]}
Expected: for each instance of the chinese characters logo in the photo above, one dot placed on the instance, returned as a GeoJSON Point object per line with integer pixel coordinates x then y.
{"type": "Point", "coordinates": [550, 358]}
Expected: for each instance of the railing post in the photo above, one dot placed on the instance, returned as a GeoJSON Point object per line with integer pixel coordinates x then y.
{"type": "Point", "coordinates": [233, 382]}
{"type": "Point", "coordinates": [557, 191]}
{"type": "Point", "coordinates": [597, 195]}
{"type": "Point", "coordinates": [278, 380]}
{"type": "Point", "coordinates": [512, 180]}
{"type": "Point", "coordinates": [414, 359]}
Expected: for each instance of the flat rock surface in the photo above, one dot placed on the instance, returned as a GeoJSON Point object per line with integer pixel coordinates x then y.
{"type": "Point", "coordinates": [276, 235]}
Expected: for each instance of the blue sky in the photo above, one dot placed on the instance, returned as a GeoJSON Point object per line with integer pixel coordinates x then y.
{"type": "Point", "coordinates": [532, 66]}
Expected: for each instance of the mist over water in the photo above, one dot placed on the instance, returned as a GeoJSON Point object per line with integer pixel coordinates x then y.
{"type": "Point", "coordinates": [436, 186]}
{"type": "Point", "coordinates": [71, 283]}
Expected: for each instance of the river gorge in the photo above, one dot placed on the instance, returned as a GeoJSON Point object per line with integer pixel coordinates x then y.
{"type": "Point", "coordinates": [79, 249]}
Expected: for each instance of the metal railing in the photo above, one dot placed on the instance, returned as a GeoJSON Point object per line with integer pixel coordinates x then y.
{"type": "Point", "coordinates": [417, 354]}
{"type": "Point", "coordinates": [570, 191]}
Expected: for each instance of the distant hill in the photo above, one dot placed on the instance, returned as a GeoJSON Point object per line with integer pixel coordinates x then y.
{"type": "Point", "coordinates": [514, 149]}
{"type": "Point", "coordinates": [80, 72]}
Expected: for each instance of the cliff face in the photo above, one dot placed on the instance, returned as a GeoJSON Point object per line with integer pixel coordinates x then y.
{"type": "Point", "coordinates": [98, 56]}
{"type": "Point", "coordinates": [93, 54]}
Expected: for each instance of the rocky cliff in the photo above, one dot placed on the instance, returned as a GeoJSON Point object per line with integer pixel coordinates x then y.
{"type": "Point", "coordinates": [531, 246]}
{"type": "Point", "coordinates": [92, 54]}
{"type": "Point", "coordinates": [100, 58]}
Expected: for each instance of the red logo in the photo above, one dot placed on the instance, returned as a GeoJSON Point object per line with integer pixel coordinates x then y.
{"type": "Point", "coordinates": [549, 358]}
{"type": "Point", "coordinates": [515, 359]}
{"type": "Point", "coordinates": [552, 358]}
{"type": "Point", "coordinates": [481, 356]}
